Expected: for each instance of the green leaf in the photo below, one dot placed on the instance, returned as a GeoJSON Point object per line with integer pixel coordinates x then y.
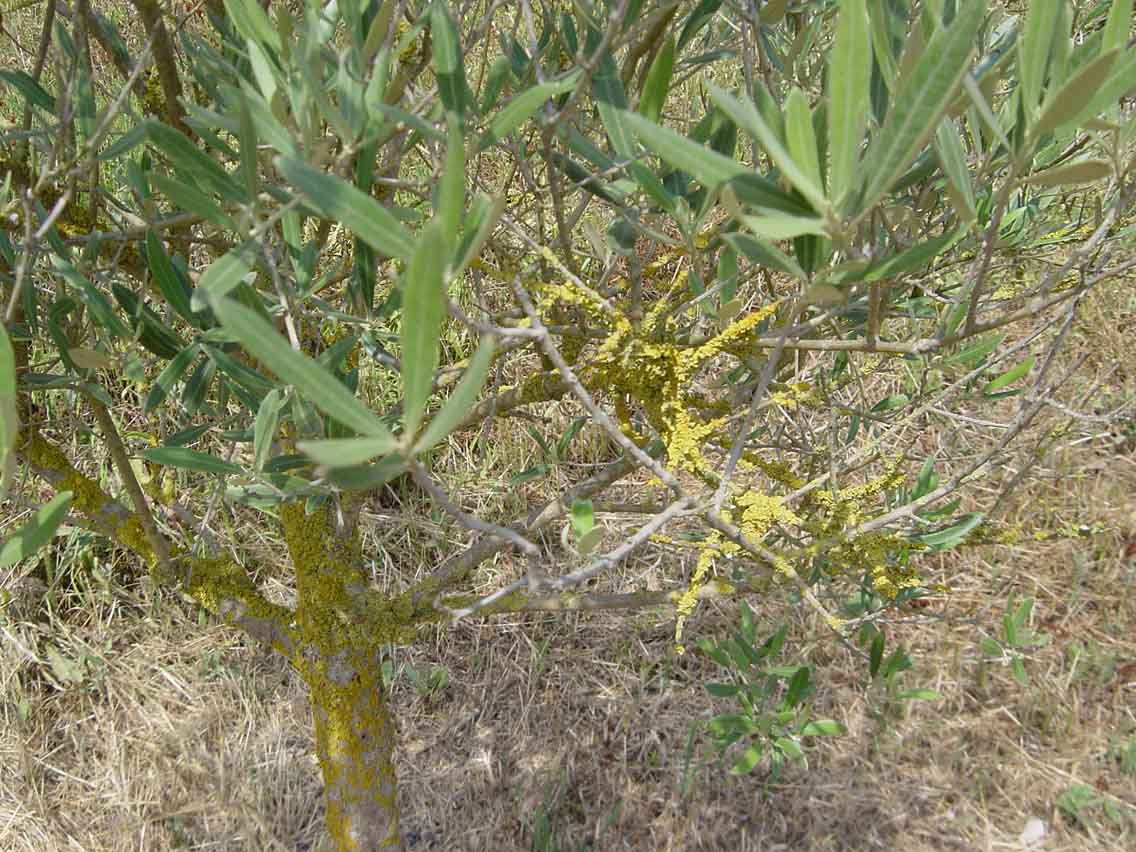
{"type": "Point", "coordinates": [914, 258]}
{"type": "Point", "coordinates": [658, 81]}
{"type": "Point", "coordinates": [746, 116]}
{"type": "Point", "coordinates": [1018, 668]}
{"type": "Point", "coordinates": [263, 342]}
{"type": "Point", "coordinates": [9, 411]}
{"type": "Point", "coordinates": [187, 459]}
{"type": "Point", "coordinates": [423, 309]}
{"type": "Point", "coordinates": [921, 101]}
{"type": "Point", "coordinates": [822, 728]}
{"type": "Point", "coordinates": [250, 167]}
{"type": "Point", "coordinates": [252, 22]}
{"type": "Point", "coordinates": [451, 189]}
{"type": "Point", "coordinates": [952, 159]}
{"type": "Point", "coordinates": [370, 476]}
{"type": "Point", "coordinates": [780, 226]}
{"type": "Point", "coordinates": [483, 216]}
{"type": "Point", "coordinates": [1010, 376]}
{"type": "Point", "coordinates": [583, 517]}
{"type": "Point", "coordinates": [169, 282]}
{"type": "Point", "coordinates": [948, 537]}
{"type": "Point", "coordinates": [801, 136]}
{"type": "Point", "coordinates": [338, 200]}
{"type": "Point", "coordinates": [850, 76]}
{"type": "Point", "coordinates": [1117, 26]}
{"type": "Point", "coordinates": [192, 200]}
{"type": "Point", "coordinates": [27, 86]}
{"type": "Point", "coordinates": [449, 66]}
{"type": "Point", "coordinates": [763, 254]}
{"type": "Point", "coordinates": [698, 19]}
{"type": "Point", "coordinates": [522, 106]}
{"type": "Point", "coordinates": [972, 355]}
{"type": "Point", "coordinates": [264, 428]}
{"type": "Point", "coordinates": [708, 167]}
{"type": "Point", "coordinates": [1034, 47]}
{"type": "Point", "coordinates": [100, 308]}
{"type": "Point", "coordinates": [223, 276]}
{"type": "Point", "coordinates": [192, 163]}
{"type": "Point", "coordinates": [169, 376]}
{"type": "Point", "coordinates": [347, 452]}
{"type": "Point", "coordinates": [749, 760]}
{"type": "Point", "coordinates": [919, 695]}
{"type": "Point", "coordinates": [1068, 102]}
{"type": "Point", "coordinates": [37, 532]}
{"type": "Point", "coordinates": [461, 400]}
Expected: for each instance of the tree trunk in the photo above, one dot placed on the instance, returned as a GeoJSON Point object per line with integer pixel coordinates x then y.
{"type": "Point", "coordinates": [342, 665]}
{"type": "Point", "coordinates": [355, 738]}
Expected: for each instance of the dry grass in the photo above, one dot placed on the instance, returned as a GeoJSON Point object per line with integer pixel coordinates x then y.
{"type": "Point", "coordinates": [582, 732]}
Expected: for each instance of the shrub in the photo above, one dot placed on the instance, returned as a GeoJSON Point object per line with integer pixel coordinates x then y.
{"type": "Point", "coordinates": [289, 257]}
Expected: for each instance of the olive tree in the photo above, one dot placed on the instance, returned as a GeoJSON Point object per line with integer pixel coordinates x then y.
{"type": "Point", "coordinates": [698, 227]}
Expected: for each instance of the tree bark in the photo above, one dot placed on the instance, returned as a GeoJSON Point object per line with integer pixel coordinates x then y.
{"type": "Point", "coordinates": [341, 661]}
{"type": "Point", "coordinates": [355, 738]}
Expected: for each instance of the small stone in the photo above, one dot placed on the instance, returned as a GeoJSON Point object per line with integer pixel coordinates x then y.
{"type": "Point", "coordinates": [1033, 832]}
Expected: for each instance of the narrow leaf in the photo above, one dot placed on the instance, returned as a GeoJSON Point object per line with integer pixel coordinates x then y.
{"type": "Point", "coordinates": [746, 116]}
{"type": "Point", "coordinates": [347, 452]}
{"type": "Point", "coordinates": [169, 282]}
{"type": "Point", "coordinates": [915, 114]}
{"type": "Point", "coordinates": [1081, 171]}
{"type": "Point", "coordinates": [37, 532]}
{"type": "Point", "coordinates": [952, 535]}
{"type": "Point", "coordinates": [191, 162]}
{"type": "Point", "coordinates": [338, 200]}
{"type": "Point", "coordinates": [521, 107]}
{"type": "Point", "coordinates": [1118, 26]}
{"type": "Point", "coordinates": [451, 189]}
{"type": "Point", "coordinates": [9, 411]}
{"type": "Point", "coordinates": [423, 309]}
{"type": "Point", "coordinates": [850, 77]}
{"type": "Point", "coordinates": [658, 82]}
{"type": "Point", "coordinates": [263, 342]}
{"type": "Point", "coordinates": [252, 22]}
{"type": "Point", "coordinates": [710, 168]}
{"type": "Point", "coordinates": [223, 276]}
{"type": "Point", "coordinates": [187, 459]}
{"type": "Point", "coordinates": [952, 159]}
{"type": "Point", "coordinates": [264, 428]}
{"type": "Point", "coordinates": [449, 66]}
{"type": "Point", "coordinates": [168, 377]}
{"type": "Point", "coordinates": [1034, 47]}
{"type": "Point", "coordinates": [1082, 87]}
{"type": "Point", "coordinates": [1010, 376]}
{"type": "Point", "coordinates": [801, 136]}
{"type": "Point", "coordinates": [763, 254]}
{"type": "Point", "coordinates": [783, 227]}
{"type": "Point", "coordinates": [27, 86]}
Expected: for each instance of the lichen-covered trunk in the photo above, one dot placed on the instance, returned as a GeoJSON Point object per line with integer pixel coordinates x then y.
{"type": "Point", "coordinates": [341, 661]}
{"type": "Point", "coordinates": [355, 738]}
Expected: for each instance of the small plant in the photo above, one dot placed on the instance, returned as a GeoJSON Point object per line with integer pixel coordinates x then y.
{"type": "Point", "coordinates": [887, 696]}
{"type": "Point", "coordinates": [1084, 804]}
{"type": "Point", "coordinates": [775, 715]}
{"type": "Point", "coordinates": [429, 681]}
{"type": "Point", "coordinates": [1017, 637]}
